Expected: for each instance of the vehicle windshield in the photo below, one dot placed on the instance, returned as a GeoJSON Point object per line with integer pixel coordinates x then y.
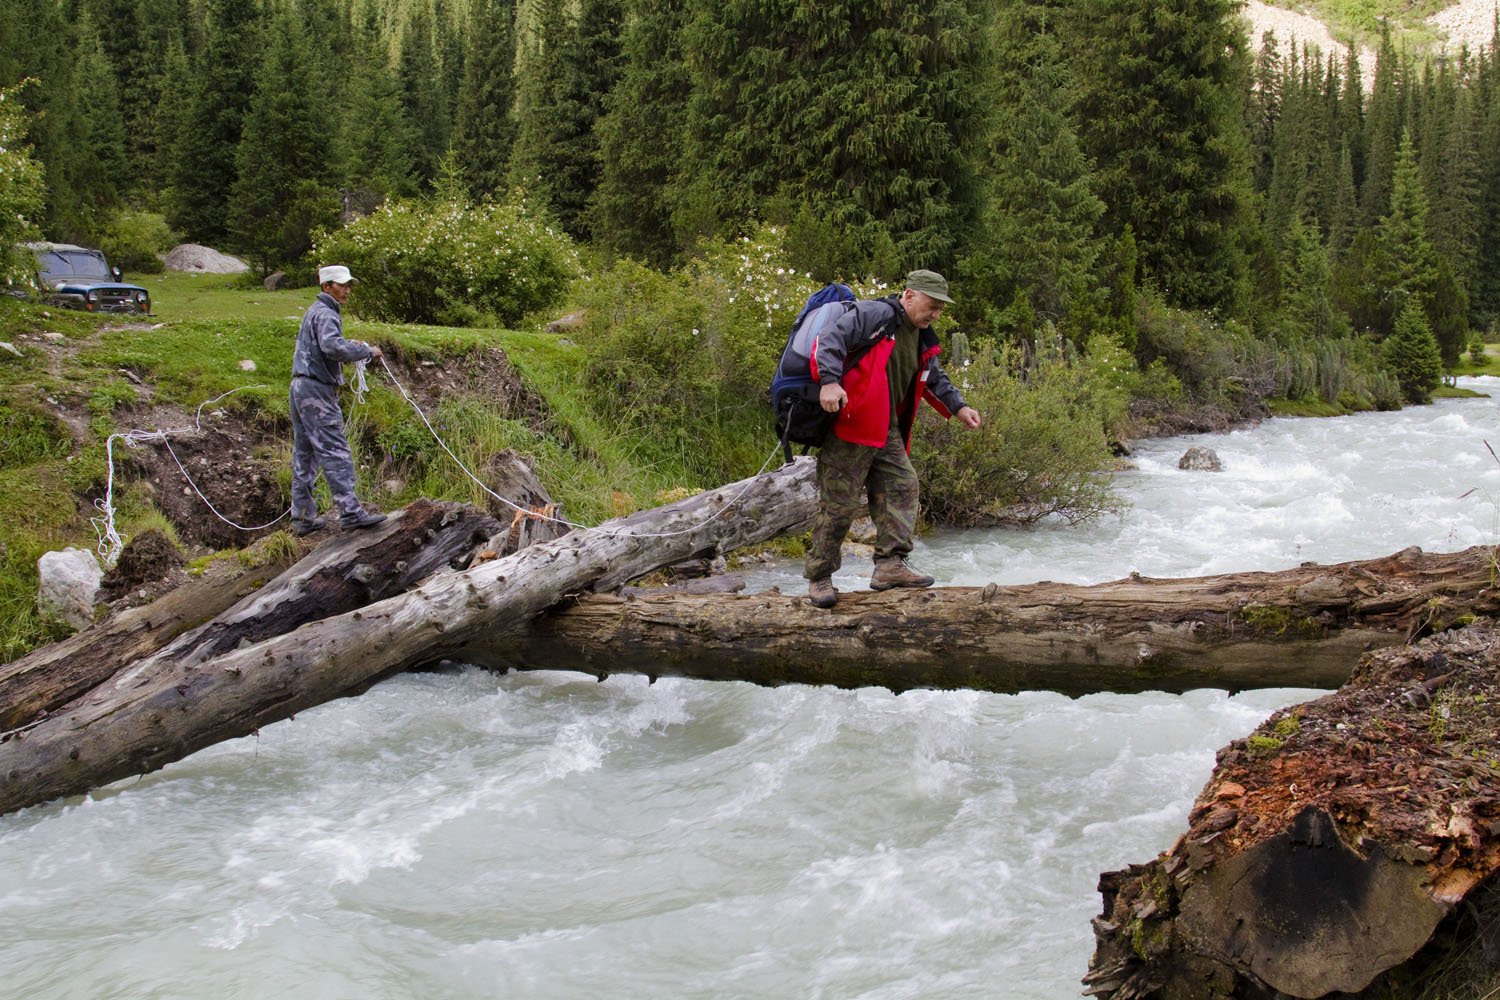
{"type": "Point", "coordinates": [72, 264]}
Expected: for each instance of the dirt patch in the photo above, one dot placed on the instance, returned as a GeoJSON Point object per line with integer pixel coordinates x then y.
{"type": "Point", "coordinates": [148, 565]}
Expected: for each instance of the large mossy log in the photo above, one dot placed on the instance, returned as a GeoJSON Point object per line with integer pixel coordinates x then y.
{"type": "Point", "coordinates": [142, 719]}
{"type": "Point", "coordinates": [1303, 627]}
{"type": "Point", "coordinates": [1348, 847]}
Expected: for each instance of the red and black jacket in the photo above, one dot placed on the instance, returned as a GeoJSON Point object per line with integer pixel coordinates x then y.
{"type": "Point", "coordinates": [867, 333]}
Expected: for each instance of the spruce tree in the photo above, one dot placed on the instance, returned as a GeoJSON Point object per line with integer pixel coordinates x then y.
{"type": "Point", "coordinates": [284, 160]}
{"type": "Point", "coordinates": [641, 136]}
{"type": "Point", "coordinates": [224, 72]}
{"type": "Point", "coordinates": [865, 113]}
{"type": "Point", "coordinates": [375, 139]}
{"type": "Point", "coordinates": [1038, 237]}
{"type": "Point", "coordinates": [1384, 124]}
{"type": "Point", "coordinates": [483, 130]}
{"type": "Point", "coordinates": [1412, 354]}
{"type": "Point", "coordinates": [423, 96]}
{"type": "Point", "coordinates": [1161, 113]}
{"type": "Point", "coordinates": [539, 83]}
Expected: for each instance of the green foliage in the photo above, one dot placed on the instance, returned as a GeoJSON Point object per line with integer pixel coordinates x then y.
{"type": "Point", "coordinates": [452, 263]}
{"type": "Point", "coordinates": [1041, 451]}
{"type": "Point", "coordinates": [1160, 112]}
{"type": "Point", "coordinates": [21, 190]}
{"type": "Point", "coordinates": [483, 132]}
{"type": "Point", "coordinates": [1412, 354]}
{"type": "Point", "coordinates": [133, 239]}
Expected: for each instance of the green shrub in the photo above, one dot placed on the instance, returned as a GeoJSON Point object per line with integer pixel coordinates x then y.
{"type": "Point", "coordinates": [1411, 352]}
{"type": "Point", "coordinates": [452, 264]}
{"type": "Point", "coordinates": [22, 193]}
{"type": "Point", "coordinates": [1040, 452]}
{"type": "Point", "coordinates": [684, 359]}
{"type": "Point", "coordinates": [132, 239]}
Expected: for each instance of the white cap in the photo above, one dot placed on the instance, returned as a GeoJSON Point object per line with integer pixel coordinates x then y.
{"type": "Point", "coordinates": [336, 273]}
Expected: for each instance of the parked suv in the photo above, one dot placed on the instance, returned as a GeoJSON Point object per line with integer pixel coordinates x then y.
{"type": "Point", "coordinates": [80, 278]}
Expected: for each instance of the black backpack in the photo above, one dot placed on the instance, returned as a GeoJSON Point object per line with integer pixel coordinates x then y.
{"type": "Point", "coordinates": [794, 395]}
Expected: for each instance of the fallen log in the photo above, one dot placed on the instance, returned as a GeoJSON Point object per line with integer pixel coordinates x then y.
{"type": "Point", "coordinates": [1349, 846]}
{"type": "Point", "coordinates": [346, 572]}
{"type": "Point", "coordinates": [1302, 627]}
{"type": "Point", "coordinates": [141, 720]}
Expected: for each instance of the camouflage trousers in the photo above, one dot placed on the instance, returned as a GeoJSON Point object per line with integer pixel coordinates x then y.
{"type": "Point", "coordinates": [318, 442]}
{"type": "Point", "coordinates": [885, 477]}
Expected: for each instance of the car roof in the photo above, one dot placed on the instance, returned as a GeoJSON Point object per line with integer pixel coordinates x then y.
{"type": "Point", "coordinates": [44, 247]}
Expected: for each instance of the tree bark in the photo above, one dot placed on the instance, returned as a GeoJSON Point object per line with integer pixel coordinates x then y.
{"type": "Point", "coordinates": [141, 720]}
{"type": "Point", "coordinates": [1331, 851]}
{"type": "Point", "coordinates": [346, 572]}
{"type": "Point", "coordinates": [1302, 627]}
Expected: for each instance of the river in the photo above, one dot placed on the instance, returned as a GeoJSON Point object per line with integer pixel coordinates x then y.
{"type": "Point", "coordinates": [466, 835]}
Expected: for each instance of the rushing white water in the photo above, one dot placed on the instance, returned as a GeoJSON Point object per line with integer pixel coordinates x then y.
{"type": "Point", "coordinates": [464, 834]}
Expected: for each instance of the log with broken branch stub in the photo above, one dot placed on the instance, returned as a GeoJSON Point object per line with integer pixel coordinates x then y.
{"type": "Point", "coordinates": [197, 622]}
{"type": "Point", "coordinates": [139, 720]}
{"type": "Point", "coordinates": [1302, 627]}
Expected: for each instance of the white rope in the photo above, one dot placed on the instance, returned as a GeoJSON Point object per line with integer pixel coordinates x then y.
{"type": "Point", "coordinates": [559, 520]}
{"type": "Point", "coordinates": [359, 388]}
{"type": "Point", "coordinates": [110, 543]}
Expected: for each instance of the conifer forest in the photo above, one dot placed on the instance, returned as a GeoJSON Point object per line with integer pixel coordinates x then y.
{"type": "Point", "coordinates": [1058, 160]}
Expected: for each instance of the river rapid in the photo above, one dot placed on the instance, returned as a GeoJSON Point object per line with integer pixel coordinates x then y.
{"type": "Point", "coordinates": [464, 834]}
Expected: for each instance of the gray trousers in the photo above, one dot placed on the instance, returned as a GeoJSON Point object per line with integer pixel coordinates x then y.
{"type": "Point", "coordinates": [318, 442]}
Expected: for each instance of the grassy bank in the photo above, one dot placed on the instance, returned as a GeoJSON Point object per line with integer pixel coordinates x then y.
{"type": "Point", "coordinates": [81, 378]}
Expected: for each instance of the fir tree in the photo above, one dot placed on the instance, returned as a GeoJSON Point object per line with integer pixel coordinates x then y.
{"type": "Point", "coordinates": [375, 138]}
{"type": "Point", "coordinates": [423, 96]}
{"type": "Point", "coordinates": [284, 158]}
{"type": "Point", "coordinates": [1383, 127]}
{"type": "Point", "coordinates": [483, 129]}
{"type": "Point", "coordinates": [591, 64]}
{"type": "Point", "coordinates": [641, 136]}
{"type": "Point", "coordinates": [1412, 354]}
{"type": "Point", "coordinates": [867, 114]}
{"type": "Point", "coordinates": [1038, 236]}
{"type": "Point", "coordinates": [538, 114]}
{"type": "Point", "coordinates": [210, 138]}
{"type": "Point", "coordinates": [1161, 114]}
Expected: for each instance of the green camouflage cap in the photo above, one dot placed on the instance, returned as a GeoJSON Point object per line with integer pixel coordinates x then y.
{"type": "Point", "coordinates": [929, 283]}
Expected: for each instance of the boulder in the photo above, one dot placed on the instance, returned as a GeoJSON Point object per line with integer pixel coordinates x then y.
{"type": "Point", "coordinates": [1197, 459]}
{"type": "Point", "coordinates": [197, 259]}
{"type": "Point", "coordinates": [275, 281]}
{"type": "Point", "coordinates": [67, 584]}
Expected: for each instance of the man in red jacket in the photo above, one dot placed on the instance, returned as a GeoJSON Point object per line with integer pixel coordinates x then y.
{"type": "Point", "coordinates": [894, 368]}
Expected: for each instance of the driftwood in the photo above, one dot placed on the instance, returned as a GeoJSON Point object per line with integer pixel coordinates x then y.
{"type": "Point", "coordinates": [1302, 627]}
{"type": "Point", "coordinates": [142, 718]}
{"type": "Point", "coordinates": [346, 572]}
{"type": "Point", "coordinates": [1349, 846]}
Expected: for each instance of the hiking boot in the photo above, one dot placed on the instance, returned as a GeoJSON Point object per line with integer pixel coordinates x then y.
{"type": "Point", "coordinates": [304, 526]}
{"type": "Point", "coordinates": [822, 594]}
{"type": "Point", "coordinates": [891, 573]}
{"type": "Point", "coordinates": [364, 519]}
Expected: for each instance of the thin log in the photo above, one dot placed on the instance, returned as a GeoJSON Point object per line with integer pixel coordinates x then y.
{"type": "Point", "coordinates": [1344, 848]}
{"type": "Point", "coordinates": [200, 620]}
{"type": "Point", "coordinates": [1303, 627]}
{"type": "Point", "coordinates": [141, 720]}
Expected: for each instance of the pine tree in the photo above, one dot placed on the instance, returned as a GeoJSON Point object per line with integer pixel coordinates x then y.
{"type": "Point", "coordinates": [1412, 354]}
{"type": "Point", "coordinates": [375, 140]}
{"type": "Point", "coordinates": [1384, 124]}
{"type": "Point", "coordinates": [483, 129]}
{"type": "Point", "coordinates": [1403, 233]}
{"type": "Point", "coordinates": [283, 161]}
{"type": "Point", "coordinates": [641, 136]}
{"type": "Point", "coordinates": [865, 114]}
{"type": "Point", "coordinates": [423, 97]}
{"type": "Point", "coordinates": [1305, 281]}
{"type": "Point", "coordinates": [1161, 113]}
{"type": "Point", "coordinates": [539, 83]}
{"type": "Point", "coordinates": [592, 63]}
{"type": "Point", "coordinates": [1038, 238]}
{"type": "Point", "coordinates": [205, 156]}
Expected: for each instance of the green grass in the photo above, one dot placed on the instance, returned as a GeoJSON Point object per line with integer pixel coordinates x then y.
{"type": "Point", "coordinates": [1361, 19]}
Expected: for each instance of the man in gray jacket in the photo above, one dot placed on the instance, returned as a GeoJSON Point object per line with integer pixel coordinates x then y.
{"type": "Point", "coordinates": [317, 423]}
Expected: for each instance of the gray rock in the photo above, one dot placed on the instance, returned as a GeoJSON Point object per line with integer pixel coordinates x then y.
{"type": "Point", "coordinates": [1197, 459]}
{"type": "Point", "coordinates": [275, 280]}
{"type": "Point", "coordinates": [202, 260]}
{"type": "Point", "coordinates": [67, 585]}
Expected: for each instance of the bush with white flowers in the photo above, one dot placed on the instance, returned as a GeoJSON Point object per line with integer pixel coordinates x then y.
{"type": "Point", "coordinates": [451, 263]}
